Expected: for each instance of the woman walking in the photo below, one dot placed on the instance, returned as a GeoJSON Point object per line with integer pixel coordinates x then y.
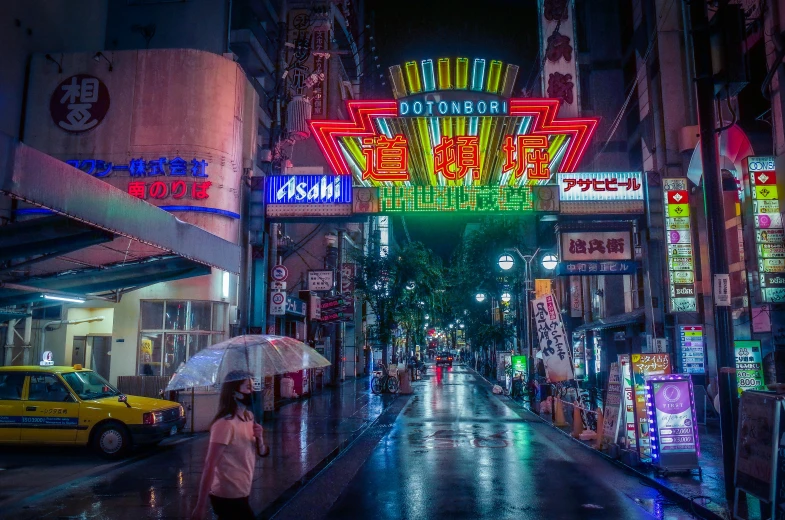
{"type": "Point", "coordinates": [235, 441]}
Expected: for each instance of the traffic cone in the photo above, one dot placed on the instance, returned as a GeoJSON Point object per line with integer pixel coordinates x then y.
{"type": "Point", "coordinates": [577, 422]}
{"type": "Point", "coordinates": [558, 413]}
{"type": "Point", "coordinates": [600, 427]}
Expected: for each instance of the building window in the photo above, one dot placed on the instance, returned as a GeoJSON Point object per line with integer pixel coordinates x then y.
{"type": "Point", "coordinates": [171, 331]}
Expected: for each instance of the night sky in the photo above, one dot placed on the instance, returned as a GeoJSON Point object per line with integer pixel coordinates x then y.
{"type": "Point", "coordinates": [413, 30]}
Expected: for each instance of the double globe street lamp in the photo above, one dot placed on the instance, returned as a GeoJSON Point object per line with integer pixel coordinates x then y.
{"type": "Point", "coordinates": [507, 262]}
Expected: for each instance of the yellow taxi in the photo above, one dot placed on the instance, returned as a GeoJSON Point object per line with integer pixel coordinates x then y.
{"type": "Point", "coordinates": [71, 405]}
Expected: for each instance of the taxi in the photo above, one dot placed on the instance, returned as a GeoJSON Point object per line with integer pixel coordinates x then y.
{"type": "Point", "coordinates": [71, 405]}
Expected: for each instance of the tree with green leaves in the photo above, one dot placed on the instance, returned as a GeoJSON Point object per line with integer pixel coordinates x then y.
{"type": "Point", "coordinates": [400, 288]}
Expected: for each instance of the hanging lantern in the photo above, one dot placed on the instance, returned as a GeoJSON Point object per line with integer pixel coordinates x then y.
{"type": "Point", "coordinates": [298, 112]}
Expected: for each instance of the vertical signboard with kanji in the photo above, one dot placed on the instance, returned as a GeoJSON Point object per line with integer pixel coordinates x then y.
{"type": "Point", "coordinates": [557, 47]}
{"type": "Point", "coordinates": [681, 264]}
{"type": "Point", "coordinates": [634, 384]}
{"type": "Point", "coordinates": [613, 401]}
{"type": "Point", "coordinates": [749, 367]}
{"type": "Point", "coordinates": [691, 346]}
{"type": "Point", "coordinates": [552, 339]}
{"type": "Point", "coordinates": [769, 233]}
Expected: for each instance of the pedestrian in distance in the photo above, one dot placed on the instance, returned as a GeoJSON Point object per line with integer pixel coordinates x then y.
{"type": "Point", "coordinates": [235, 441]}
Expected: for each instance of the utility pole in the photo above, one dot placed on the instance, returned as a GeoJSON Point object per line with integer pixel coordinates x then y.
{"type": "Point", "coordinates": [715, 223]}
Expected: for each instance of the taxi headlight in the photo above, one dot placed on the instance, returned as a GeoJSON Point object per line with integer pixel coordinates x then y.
{"type": "Point", "coordinates": [152, 417]}
{"type": "Point", "coordinates": [182, 411]}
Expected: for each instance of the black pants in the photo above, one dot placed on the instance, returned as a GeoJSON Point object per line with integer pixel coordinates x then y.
{"type": "Point", "coordinates": [232, 508]}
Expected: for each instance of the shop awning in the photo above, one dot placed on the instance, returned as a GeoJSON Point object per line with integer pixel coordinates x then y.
{"type": "Point", "coordinates": [85, 236]}
{"type": "Point", "coordinates": [620, 320]}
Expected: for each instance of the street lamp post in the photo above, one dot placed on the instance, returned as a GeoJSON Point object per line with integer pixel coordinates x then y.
{"type": "Point", "coordinates": [506, 262]}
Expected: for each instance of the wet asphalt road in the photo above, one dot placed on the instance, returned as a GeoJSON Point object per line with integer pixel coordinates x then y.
{"type": "Point", "coordinates": [451, 450]}
{"type": "Point", "coordinates": [457, 451]}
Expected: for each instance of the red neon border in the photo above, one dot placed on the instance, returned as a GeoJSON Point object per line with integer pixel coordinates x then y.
{"type": "Point", "coordinates": [360, 124]}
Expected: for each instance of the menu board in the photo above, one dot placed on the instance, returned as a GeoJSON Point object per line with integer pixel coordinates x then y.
{"type": "Point", "coordinates": [769, 239]}
{"type": "Point", "coordinates": [692, 349]}
{"type": "Point", "coordinates": [749, 367]}
{"type": "Point", "coordinates": [671, 412]}
{"type": "Point", "coordinates": [681, 265]}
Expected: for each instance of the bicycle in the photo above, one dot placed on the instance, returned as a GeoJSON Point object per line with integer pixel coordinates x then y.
{"type": "Point", "coordinates": [382, 381]}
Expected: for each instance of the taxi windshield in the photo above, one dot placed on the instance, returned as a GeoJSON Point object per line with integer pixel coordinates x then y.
{"type": "Point", "coordinates": [89, 385]}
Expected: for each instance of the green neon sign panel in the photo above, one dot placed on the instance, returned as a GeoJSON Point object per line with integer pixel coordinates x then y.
{"type": "Point", "coordinates": [468, 199]}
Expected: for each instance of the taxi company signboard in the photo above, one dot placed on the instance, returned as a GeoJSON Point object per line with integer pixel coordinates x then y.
{"type": "Point", "coordinates": [769, 241]}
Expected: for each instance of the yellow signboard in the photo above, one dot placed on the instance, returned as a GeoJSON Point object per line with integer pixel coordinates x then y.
{"type": "Point", "coordinates": [678, 210]}
{"type": "Point", "coordinates": [766, 192]}
{"type": "Point", "coordinates": [542, 287]}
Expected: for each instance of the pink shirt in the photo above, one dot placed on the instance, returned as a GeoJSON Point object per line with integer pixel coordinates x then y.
{"type": "Point", "coordinates": [234, 471]}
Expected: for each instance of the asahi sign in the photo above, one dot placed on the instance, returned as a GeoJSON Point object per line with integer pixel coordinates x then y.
{"type": "Point", "coordinates": [681, 265]}
{"type": "Point", "coordinates": [309, 195]}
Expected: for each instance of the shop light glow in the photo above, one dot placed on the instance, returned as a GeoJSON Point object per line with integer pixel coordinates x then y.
{"type": "Point", "coordinates": [63, 298]}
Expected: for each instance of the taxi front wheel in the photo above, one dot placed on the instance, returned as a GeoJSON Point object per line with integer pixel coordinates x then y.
{"type": "Point", "coordinates": [111, 440]}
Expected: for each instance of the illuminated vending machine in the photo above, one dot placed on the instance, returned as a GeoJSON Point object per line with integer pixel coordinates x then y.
{"type": "Point", "coordinates": [670, 406]}
{"type": "Point", "coordinates": [579, 356]}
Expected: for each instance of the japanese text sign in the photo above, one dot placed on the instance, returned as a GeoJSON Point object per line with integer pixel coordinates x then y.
{"type": "Point", "coordinates": [670, 407]}
{"type": "Point", "coordinates": [769, 240]}
{"type": "Point", "coordinates": [79, 103]}
{"type": "Point", "coordinates": [159, 178]}
{"type": "Point", "coordinates": [474, 199]}
{"type": "Point", "coordinates": [552, 339]}
{"type": "Point", "coordinates": [681, 268]}
{"type": "Point", "coordinates": [596, 245]}
{"type": "Point", "coordinates": [749, 367]}
{"type": "Point", "coordinates": [691, 345]}
{"type": "Point", "coordinates": [600, 186]}
{"type": "Point", "coordinates": [320, 280]}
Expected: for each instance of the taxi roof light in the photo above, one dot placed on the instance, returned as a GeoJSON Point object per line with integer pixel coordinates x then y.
{"type": "Point", "coordinates": [77, 367]}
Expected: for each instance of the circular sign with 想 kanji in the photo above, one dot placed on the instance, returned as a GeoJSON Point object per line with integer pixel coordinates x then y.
{"type": "Point", "coordinates": [79, 103]}
{"type": "Point", "coordinates": [279, 273]}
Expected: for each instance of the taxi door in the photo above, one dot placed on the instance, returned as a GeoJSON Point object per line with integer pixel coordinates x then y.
{"type": "Point", "coordinates": [51, 413]}
{"type": "Point", "coordinates": [11, 387]}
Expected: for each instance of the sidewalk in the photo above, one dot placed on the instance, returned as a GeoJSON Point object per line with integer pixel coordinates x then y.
{"type": "Point", "coordinates": [304, 437]}
{"type": "Point", "coordinates": [682, 488]}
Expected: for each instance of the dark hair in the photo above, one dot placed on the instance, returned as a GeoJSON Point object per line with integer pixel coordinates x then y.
{"type": "Point", "coordinates": [227, 405]}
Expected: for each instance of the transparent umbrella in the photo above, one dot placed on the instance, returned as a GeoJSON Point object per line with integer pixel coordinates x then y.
{"type": "Point", "coordinates": [255, 355]}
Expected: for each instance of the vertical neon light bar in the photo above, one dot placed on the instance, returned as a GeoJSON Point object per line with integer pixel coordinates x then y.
{"type": "Point", "coordinates": [462, 73]}
{"type": "Point", "coordinates": [445, 78]}
{"type": "Point", "coordinates": [428, 77]}
{"type": "Point", "coordinates": [494, 76]}
{"type": "Point", "coordinates": [478, 73]}
{"type": "Point", "coordinates": [413, 77]}
{"type": "Point", "coordinates": [397, 82]}
{"type": "Point", "coordinates": [474, 122]}
{"type": "Point", "coordinates": [510, 75]}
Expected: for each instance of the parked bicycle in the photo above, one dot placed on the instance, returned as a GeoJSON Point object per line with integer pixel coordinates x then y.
{"type": "Point", "coordinates": [382, 381]}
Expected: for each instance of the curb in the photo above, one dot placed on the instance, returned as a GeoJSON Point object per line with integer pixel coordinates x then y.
{"type": "Point", "coordinates": [685, 502]}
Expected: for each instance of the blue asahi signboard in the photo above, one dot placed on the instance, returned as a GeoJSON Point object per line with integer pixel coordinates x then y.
{"type": "Point", "coordinates": [309, 189]}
